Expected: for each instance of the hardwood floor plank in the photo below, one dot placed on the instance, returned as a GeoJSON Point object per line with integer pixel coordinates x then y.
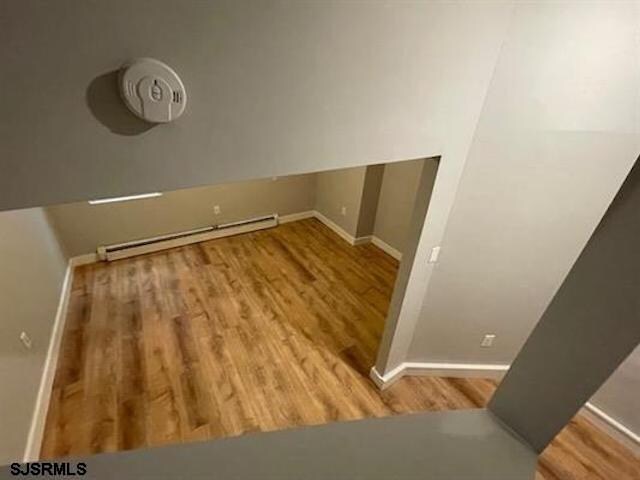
{"type": "Point", "coordinates": [262, 331]}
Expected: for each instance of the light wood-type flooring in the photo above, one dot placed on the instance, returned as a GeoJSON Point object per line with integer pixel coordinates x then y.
{"type": "Point", "coordinates": [263, 331]}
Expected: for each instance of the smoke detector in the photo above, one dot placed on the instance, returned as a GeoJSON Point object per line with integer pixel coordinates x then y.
{"type": "Point", "coordinates": [152, 90]}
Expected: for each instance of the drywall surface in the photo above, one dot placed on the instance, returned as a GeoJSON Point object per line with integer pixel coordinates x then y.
{"type": "Point", "coordinates": [274, 88]}
{"type": "Point", "coordinates": [426, 446]}
{"type": "Point", "coordinates": [83, 227]}
{"type": "Point", "coordinates": [369, 201]}
{"type": "Point", "coordinates": [557, 135]}
{"type": "Point", "coordinates": [341, 189]}
{"type": "Point", "coordinates": [397, 198]}
{"type": "Point", "coordinates": [619, 397]}
{"type": "Point", "coordinates": [454, 132]}
{"type": "Point", "coordinates": [587, 331]}
{"type": "Point", "coordinates": [397, 333]}
{"type": "Point", "coordinates": [32, 269]}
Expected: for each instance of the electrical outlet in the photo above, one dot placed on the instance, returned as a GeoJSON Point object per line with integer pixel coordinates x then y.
{"type": "Point", "coordinates": [487, 340]}
{"type": "Point", "coordinates": [216, 209]}
{"type": "Point", "coordinates": [26, 340]}
{"type": "Point", "coordinates": [343, 211]}
{"type": "Point", "coordinates": [435, 253]}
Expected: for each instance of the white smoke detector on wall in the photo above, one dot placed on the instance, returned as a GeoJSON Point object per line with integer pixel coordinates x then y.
{"type": "Point", "coordinates": [152, 90]}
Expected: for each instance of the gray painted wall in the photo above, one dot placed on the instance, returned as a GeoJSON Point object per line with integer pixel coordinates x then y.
{"type": "Point", "coordinates": [338, 189]}
{"type": "Point", "coordinates": [558, 133]}
{"type": "Point", "coordinates": [83, 227]}
{"type": "Point", "coordinates": [397, 199]}
{"type": "Point", "coordinates": [31, 276]}
{"type": "Point", "coordinates": [588, 329]}
{"type": "Point", "coordinates": [369, 201]}
{"type": "Point", "coordinates": [380, 196]}
{"type": "Point", "coordinates": [559, 130]}
{"type": "Point", "coordinates": [619, 397]}
{"type": "Point", "coordinates": [275, 88]}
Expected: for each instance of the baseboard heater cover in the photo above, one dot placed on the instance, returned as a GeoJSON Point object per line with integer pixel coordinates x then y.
{"type": "Point", "coordinates": [177, 239]}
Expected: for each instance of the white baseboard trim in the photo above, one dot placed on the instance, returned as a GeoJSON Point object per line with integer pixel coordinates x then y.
{"type": "Point", "coordinates": [36, 431]}
{"type": "Point", "coordinates": [458, 370]}
{"type": "Point", "coordinates": [605, 422]}
{"type": "Point", "coordinates": [294, 217]}
{"type": "Point", "coordinates": [362, 240]}
{"type": "Point", "coordinates": [612, 427]}
{"type": "Point", "coordinates": [351, 240]}
{"type": "Point", "coordinates": [385, 381]}
{"type": "Point", "coordinates": [385, 247]}
{"type": "Point", "coordinates": [335, 227]}
{"type": "Point", "coordinates": [84, 259]}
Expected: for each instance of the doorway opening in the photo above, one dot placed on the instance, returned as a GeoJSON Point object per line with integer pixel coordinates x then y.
{"type": "Point", "coordinates": [221, 310]}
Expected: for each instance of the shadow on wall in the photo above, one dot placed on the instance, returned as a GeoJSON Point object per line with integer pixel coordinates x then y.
{"type": "Point", "coordinates": [103, 99]}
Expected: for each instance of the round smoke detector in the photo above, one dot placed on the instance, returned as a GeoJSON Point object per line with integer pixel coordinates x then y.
{"type": "Point", "coordinates": [152, 90]}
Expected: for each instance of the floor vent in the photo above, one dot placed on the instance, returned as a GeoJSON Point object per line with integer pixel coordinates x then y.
{"type": "Point", "coordinates": [178, 239]}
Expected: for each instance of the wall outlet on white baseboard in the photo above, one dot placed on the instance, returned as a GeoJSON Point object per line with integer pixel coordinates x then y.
{"type": "Point", "coordinates": [487, 340]}
{"type": "Point", "coordinates": [343, 211]}
{"type": "Point", "coordinates": [216, 209]}
{"type": "Point", "coordinates": [26, 340]}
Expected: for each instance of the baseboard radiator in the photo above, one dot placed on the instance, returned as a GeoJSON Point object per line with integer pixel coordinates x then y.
{"type": "Point", "coordinates": [178, 239]}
